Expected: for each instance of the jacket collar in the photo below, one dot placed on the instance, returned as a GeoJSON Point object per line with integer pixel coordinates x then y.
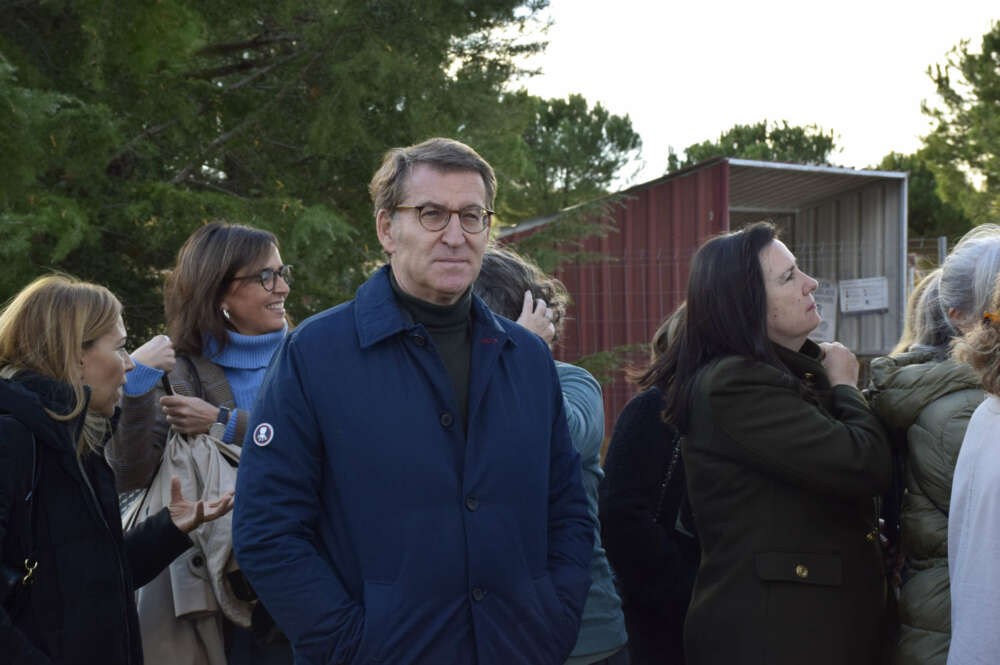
{"type": "Point", "coordinates": [805, 364]}
{"type": "Point", "coordinates": [378, 315]}
{"type": "Point", "coordinates": [28, 395]}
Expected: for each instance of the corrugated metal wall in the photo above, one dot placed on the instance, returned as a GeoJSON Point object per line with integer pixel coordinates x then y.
{"type": "Point", "coordinates": [621, 301]}
{"type": "Point", "coordinates": [853, 236]}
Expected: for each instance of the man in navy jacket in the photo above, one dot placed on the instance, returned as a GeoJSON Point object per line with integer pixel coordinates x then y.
{"type": "Point", "coordinates": [408, 491]}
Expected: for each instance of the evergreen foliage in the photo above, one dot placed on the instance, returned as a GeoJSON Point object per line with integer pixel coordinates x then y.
{"type": "Point", "coordinates": [963, 149]}
{"type": "Point", "coordinates": [126, 125]}
{"type": "Point", "coordinates": [772, 142]}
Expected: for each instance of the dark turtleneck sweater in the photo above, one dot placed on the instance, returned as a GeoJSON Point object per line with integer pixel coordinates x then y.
{"type": "Point", "coordinates": [451, 333]}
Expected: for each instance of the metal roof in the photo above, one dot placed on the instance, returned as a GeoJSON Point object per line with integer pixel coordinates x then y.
{"type": "Point", "coordinates": [761, 189]}
{"type": "Point", "coordinates": [781, 189]}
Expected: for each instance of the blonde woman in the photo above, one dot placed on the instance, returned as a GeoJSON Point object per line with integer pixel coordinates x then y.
{"type": "Point", "coordinates": [62, 367]}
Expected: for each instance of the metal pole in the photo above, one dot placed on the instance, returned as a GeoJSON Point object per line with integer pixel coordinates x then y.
{"type": "Point", "coordinates": [942, 249]}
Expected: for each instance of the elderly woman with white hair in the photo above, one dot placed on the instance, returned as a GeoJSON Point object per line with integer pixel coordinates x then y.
{"type": "Point", "coordinates": [928, 397]}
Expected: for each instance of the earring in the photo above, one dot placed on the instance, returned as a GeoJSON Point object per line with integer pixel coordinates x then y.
{"type": "Point", "coordinates": [225, 313]}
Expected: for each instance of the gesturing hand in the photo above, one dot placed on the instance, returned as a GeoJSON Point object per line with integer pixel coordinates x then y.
{"type": "Point", "coordinates": [536, 317]}
{"type": "Point", "coordinates": [188, 516]}
{"type": "Point", "coordinates": [188, 415]}
{"type": "Point", "coordinates": [157, 353]}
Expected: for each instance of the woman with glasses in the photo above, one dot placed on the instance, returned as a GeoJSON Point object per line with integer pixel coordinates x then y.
{"type": "Point", "coordinates": [225, 310]}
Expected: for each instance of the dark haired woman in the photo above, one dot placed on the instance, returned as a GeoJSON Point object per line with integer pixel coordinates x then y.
{"type": "Point", "coordinates": [225, 307]}
{"type": "Point", "coordinates": [646, 520]}
{"type": "Point", "coordinates": [62, 367]}
{"type": "Point", "coordinates": [783, 459]}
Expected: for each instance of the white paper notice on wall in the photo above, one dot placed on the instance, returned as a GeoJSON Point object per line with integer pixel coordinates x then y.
{"type": "Point", "coordinates": [864, 295]}
{"type": "Point", "coordinates": [825, 296]}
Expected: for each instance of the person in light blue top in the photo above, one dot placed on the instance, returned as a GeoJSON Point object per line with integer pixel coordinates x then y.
{"type": "Point", "coordinates": [515, 288]}
{"type": "Point", "coordinates": [225, 310]}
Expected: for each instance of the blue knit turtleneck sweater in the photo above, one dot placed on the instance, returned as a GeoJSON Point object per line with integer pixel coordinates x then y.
{"type": "Point", "coordinates": [244, 361]}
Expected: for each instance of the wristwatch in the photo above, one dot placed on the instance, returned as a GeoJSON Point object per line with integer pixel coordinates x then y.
{"type": "Point", "coordinates": [218, 428]}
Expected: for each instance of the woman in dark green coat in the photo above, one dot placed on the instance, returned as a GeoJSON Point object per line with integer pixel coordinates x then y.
{"type": "Point", "coordinates": [783, 459]}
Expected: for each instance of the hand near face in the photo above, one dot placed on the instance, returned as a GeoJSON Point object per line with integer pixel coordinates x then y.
{"type": "Point", "coordinates": [841, 365]}
{"type": "Point", "coordinates": [188, 516]}
{"type": "Point", "coordinates": [188, 415]}
{"type": "Point", "coordinates": [535, 316]}
{"type": "Point", "coordinates": [157, 353]}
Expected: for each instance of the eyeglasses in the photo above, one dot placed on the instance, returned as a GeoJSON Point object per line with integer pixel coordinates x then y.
{"type": "Point", "coordinates": [268, 278]}
{"type": "Point", "coordinates": [474, 219]}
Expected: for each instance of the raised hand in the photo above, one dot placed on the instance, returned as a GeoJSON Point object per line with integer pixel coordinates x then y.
{"type": "Point", "coordinates": [187, 515]}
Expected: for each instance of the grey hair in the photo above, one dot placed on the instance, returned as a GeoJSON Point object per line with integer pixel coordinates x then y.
{"type": "Point", "coordinates": [388, 185]}
{"type": "Point", "coordinates": [969, 273]}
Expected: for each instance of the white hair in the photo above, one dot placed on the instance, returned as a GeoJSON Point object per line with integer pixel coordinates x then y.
{"type": "Point", "coordinates": [969, 273]}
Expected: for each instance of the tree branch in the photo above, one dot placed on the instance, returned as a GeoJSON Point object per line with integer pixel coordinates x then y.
{"type": "Point", "coordinates": [183, 174]}
{"type": "Point", "coordinates": [218, 188]}
{"type": "Point", "coordinates": [242, 66]}
{"type": "Point", "coordinates": [258, 41]}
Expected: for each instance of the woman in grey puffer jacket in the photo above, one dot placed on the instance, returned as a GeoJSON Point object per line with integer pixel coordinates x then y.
{"type": "Point", "coordinates": [928, 397]}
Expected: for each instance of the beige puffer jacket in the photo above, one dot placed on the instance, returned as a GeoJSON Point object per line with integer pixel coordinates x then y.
{"type": "Point", "coordinates": [931, 400]}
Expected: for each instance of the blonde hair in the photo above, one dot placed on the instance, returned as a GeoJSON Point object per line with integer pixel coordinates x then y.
{"type": "Point", "coordinates": [926, 326]}
{"type": "Point", "coordinates": [47, 327]}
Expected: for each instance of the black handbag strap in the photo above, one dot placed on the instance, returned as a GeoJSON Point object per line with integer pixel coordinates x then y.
{"type": "Point", "coordinates": [667, 476]}
{"type": "Point", "coordinates": [27, 536]}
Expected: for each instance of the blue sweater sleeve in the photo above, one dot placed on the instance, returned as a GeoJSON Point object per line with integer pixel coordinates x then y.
{"type": "Point", "coordinates": [141, 380]}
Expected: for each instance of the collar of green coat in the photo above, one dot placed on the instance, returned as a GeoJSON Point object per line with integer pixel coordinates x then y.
{"type": "Point", "coordinates": [806, 363]}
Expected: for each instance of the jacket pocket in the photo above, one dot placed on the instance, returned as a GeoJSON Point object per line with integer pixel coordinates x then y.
{"type": "Point", "coordinates": [800, 568]}
{"type": "Point", "coordinates": [380, 599]}
{"type": "Point", "coordinates": [556, 628]}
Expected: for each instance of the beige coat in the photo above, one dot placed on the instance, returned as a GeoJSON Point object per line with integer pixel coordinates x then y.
{"type": "Point", "coordinates": [181, 611]}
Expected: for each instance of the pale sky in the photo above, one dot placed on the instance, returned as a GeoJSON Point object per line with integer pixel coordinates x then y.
{"type": "Point", "coordinates": [686, 71]}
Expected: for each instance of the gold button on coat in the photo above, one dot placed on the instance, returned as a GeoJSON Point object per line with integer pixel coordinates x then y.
{"type": "Point", "coordinates": [801, 571]}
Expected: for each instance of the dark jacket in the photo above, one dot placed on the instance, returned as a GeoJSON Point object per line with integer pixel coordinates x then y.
{"type": "Point", "coordinates": [376, 530]}
{"type": "Point", "coordinates": [655, 563]}
{"type": "Point", "coordinates": [81, 608]}
{"type": "Point", "coordinates": [782, 490]}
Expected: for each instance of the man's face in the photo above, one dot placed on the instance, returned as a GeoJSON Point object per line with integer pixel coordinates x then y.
{"type": "Point", "coordinates": [435, 266]}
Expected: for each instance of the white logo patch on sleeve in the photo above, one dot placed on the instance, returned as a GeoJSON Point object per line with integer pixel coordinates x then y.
{"type": "Point", "coordinates": [263, 434]}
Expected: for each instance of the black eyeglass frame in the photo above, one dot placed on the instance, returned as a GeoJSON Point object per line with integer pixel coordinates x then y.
{"type": "Point", "coordinates": [485, 218]}
{"type": "Point", "coordinates": [270, 275]}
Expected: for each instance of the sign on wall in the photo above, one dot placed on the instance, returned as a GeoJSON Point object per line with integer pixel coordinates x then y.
{"type": "Point", "coordinates": [864, 295]}
{"type": "Point", "coordinates": [825, 296]}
